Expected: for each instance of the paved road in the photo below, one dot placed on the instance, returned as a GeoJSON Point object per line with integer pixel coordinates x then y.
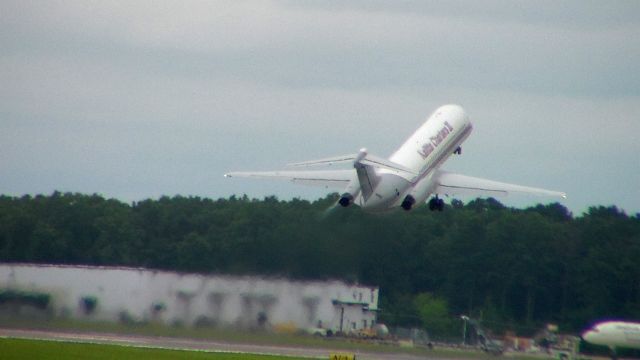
{"type": "Point", "coordinates": [191, 344]}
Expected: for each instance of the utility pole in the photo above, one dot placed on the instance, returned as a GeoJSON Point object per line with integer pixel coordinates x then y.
{"type": "Point", "coordinates": [464, 329]}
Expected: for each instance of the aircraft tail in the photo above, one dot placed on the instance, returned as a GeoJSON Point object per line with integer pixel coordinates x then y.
{"type": "Point", "coordinates": [363, 158]}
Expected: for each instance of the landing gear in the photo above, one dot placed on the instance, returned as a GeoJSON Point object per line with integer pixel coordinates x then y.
{"type": "Point", "coordinates": [436, 204]}
{"type": "Point", "coordinates": [458, 150]}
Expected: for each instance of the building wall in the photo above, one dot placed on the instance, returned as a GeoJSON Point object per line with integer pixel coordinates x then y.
{"type": "Point", "coordinates": [185, 298]}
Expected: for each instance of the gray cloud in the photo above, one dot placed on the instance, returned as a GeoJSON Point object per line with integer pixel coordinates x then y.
{"type": "Point", "coordinates": [584, 14]}
{"type": "Point", "coordinates": [149, 98]}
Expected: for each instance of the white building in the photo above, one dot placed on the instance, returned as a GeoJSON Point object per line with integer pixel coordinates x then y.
{"type": "Point", "coordinates": [170, 297]}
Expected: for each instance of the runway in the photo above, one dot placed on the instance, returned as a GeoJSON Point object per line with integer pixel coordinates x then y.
{"type": "Point", "coordinates": [198, 345]}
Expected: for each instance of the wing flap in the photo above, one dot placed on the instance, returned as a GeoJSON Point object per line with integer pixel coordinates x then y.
{"type": "Point", "coordinates": [328, 178]}
{"type": "Point", "coordinates": [457, 184]}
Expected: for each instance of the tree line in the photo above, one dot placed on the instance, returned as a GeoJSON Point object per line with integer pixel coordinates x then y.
{"type": "Point", "coordinates": [514, 268]}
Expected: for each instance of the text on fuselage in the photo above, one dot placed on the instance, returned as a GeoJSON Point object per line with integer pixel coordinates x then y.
{"type": "Point", "coordinates": [434, 141]}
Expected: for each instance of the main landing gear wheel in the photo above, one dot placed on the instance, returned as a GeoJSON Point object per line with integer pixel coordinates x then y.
{"type": "Point", "coordinates": [436, 204]}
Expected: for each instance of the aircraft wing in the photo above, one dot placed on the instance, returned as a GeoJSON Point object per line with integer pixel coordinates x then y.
{"type": "Point", "coordinates": [455, 184]}
{"type": "Point", "coordinates": [324, 178]}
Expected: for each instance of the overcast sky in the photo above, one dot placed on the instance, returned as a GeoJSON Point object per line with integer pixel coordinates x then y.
{"type": "Point", "coordinates": [138, 99]}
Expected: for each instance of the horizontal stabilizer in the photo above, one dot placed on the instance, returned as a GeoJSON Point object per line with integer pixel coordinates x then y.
{"type": "Point", "coordinates": [376, 161]}
{"type": "Point", "coordinates": [363, 158]}
{"type": "Point", "coordinates": [328, 179]}
{"type": "Point", "coordinates": [327, 161]}
{"type": "Point", "coordinates": [456, 184]}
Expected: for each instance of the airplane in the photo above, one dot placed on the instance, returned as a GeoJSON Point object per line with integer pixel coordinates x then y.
{"type": "Point", "coordinates": [409, 176]}
{"type": "Point", "coordinates": [614, 334]}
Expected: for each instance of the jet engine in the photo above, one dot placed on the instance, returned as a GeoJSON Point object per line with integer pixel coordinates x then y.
{"type": "Point", "coordinates": [419, 194]}
{"type": "Point", "coordinates": [408, 202]}
{"type": "Point", "coordinates": [345, 200]}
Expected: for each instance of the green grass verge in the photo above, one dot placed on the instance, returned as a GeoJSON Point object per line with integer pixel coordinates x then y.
{"type": "Point", "coordinates": [45, 349]}
{"type": "Point", "coordinates": [230, 335]}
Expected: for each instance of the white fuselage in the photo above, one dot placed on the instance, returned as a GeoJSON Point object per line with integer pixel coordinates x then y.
{"type": "Point", "coordinates": [614, 334]}
{"type": "Point", "coordinates": [409, 176]}
{"type": "Point", "coordinates": [424, 152]}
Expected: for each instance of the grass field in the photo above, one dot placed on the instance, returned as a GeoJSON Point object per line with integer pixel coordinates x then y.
{"type": "Point", "coordinates": [260, 338]}
{"type": "Point", "coordinates": [230, 335]}
{"type": "Point", "coordinates": [43, 349]}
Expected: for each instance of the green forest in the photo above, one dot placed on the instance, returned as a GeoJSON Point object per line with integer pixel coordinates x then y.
{"type": "Point", "coordinates": [515, 269]}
